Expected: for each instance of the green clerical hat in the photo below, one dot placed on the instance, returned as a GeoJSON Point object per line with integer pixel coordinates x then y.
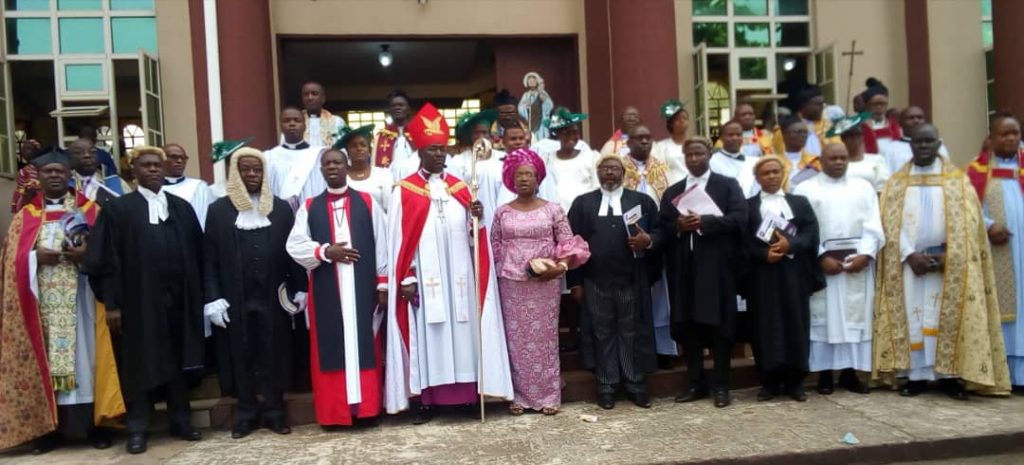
{"type": "Point", "coordinates": [563, 118]}
{"type": "Point", "coordinates": [842, 125]}
{"type": "Point", "coordinates": [346, 134]}
{"type": "Point", "coordinates": [464, 126]}
{"type": "Point", "coordinates": [671, 107]}
{"type": "Point", "coordinates": [223, 149]}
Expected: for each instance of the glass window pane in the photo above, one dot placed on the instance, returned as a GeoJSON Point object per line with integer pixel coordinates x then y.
{"type": "Point", "coordinates": [791, 7]}
{"type": "Point", "coordinates": [29, 36]}
{"type": "Point", "coordinates": [792, 35]}
{"type": "Point", "coordinates": [131, 34]}
{"type": "Point", "coordinates": [81, 35]}
{"type": "Point", "coordinates": [753, 68]}
{"type": "Point", "coordinates": [752, 35]}
{"type": "Point", "coordinates": [986, 33]}
{"type": "Point", "coordinates": [986, 8]}
{"type": "Point", "coordinates": [79, 5]}
{"type": "Point", "coordinates": [138, 5]}
{"type": "Point", "coordinates": [83, 77]}
{"type": "Point", "coordinates": [709, 8]}
{"type": "Point", "coordinates": [990, 90]}
{"type": "Point", "coordinates": [27, 5]}
{"type": "Point", "coordinates": [712, 34]}
{"type": "Point", "coordinates": [750, 8]}
{"type": "Point", "coordinates": [989, 65]}
{"type": "Point", "coordinates": [153, 110]}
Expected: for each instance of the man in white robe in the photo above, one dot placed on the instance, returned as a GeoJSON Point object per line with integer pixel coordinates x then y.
{"type": "Point", "coordinates": [321, 125]}
{"type": "Point", "coordinates": [88, 177]}
{"type": "Point", "coordinates": [670, 149]}
{"type": "Point", "coordinates": [730, 160]}
{"type": "Point", "coordinates": [571, 164]}
{"type": "Point", "coordinates": [195, 191]}
{"type": "Point", "coordinates": [436, 322]}
{"type": "Point", "coordinates": [897, 152]}
{"type": "Point", "coordinates": [850, 230]}
{"type": "Point", "coordinates": [493, 193]}
{"type": "Point", "coordinates": [294, 165]}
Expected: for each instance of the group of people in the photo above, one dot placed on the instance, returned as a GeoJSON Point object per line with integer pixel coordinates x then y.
{"type": "Point", "coordinates": [412, 273]}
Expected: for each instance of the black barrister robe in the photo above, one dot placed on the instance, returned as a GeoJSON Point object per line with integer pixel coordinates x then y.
{"type": "Point", "coordinates": [606, 255]}
{"type": "Point", "coordinates": [158, 340]}
{"type": "Point", "coordinates": [778, 294]}
{"type": "Point", "coordinates": [702, 278]}
{"type": "Point", "coordinates": [223, 279]}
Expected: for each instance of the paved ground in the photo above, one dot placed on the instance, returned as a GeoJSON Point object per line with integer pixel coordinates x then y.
{"type": "Point", "coordinates": [748, 431]}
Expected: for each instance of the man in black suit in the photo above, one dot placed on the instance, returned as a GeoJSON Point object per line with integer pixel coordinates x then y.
{"type": "Point", "coordinates": [617, 337]}
{"type": "Point", "coordinates": [701, 253]}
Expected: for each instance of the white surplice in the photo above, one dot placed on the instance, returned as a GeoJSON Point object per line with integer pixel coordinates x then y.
{"type": "Point", "coordinates": [571, 177]}
{"type": "Point", "coordinates": [898, 153]}
{"type": "Point", "coordinates": [841, 314]}
{"type": "Point", "coordinates": [668, 151]}
{"type": "Point", "coordinates": [923, 226]}
{"type": "Point", "coordinates": [493, 193]}
{"type": "Point", "coordinates": [403, 156]}
{"type": "Point", "coordinates": [872, 168]}
{"type": "Point", "coordinates": [294, 175]}
{"type": "Point", "coordinates": [311, 255]}
{"type": "Point", "coordinates": [195, 191]}
{"type": "Point", "coordinates": [446, 328]}
{"type": "Point", "coordinates": [730, 165]}
{"type": "Point", "coordinates": [379, 185]}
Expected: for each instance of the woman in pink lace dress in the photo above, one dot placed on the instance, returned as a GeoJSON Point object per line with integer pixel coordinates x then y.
{"type": "Point", "coordinates": [533, 248]}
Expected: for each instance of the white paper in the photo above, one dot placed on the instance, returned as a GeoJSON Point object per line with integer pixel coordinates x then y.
{"type": "Point", "coordinates": [771, 223]}
{"type": "Point", "coordinates": [632, 216]}
{"type": "Point", "coordinates": [696, 201]}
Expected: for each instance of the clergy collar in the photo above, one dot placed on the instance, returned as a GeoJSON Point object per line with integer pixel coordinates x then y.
{"type": "Point", "coordinates": [148, 194]}
{"type": "Point", "coordinates": [617, 192]}
{"type": "Point", "coordinates": [935, 166]}
{"type": "Point", "coordinates": [297, 146]}
{"type": "Point", "coordinates": [171, 180]}
{"type": "Point", "coordinates": [56, 201]}
{"type": "Point", "coordinates": [1006, 159]}
{"type": "Point", "coordinates": [905, 139]}
{"type": "Point", "coordinates": [314, 114]}
{"type": "Point", "coordinates": [427, 175]}
{"type": "Point", "coordinates": [779, 194]}
{"type": "Point", "coordinates": [339, 191]}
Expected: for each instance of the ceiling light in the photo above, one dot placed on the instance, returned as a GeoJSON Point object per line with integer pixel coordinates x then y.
{"type": "Point", "coordinates": [384, 57]}
{"type": "Point", "coordinates": [788, 64]}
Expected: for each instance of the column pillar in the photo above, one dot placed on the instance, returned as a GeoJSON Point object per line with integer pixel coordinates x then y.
{"type": "Point", "coordinates": [919, 74]}
{"type": "Point", "coordinates": [247, 92]}
{"type": "Point", "coordinates": [631, 60]}
{"type": "Point", "coordinates": [1008, 55]}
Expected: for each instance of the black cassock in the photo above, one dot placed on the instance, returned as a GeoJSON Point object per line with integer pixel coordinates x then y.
{"type": "Point", "coordinates": [153, 274]}
{"type": "Point", "coordinates": [246, 268]}
{"type": "Point", "coordinates": [702, 267]}
{"type": "Point", "coordinates": [613, 267]}
{"type": "Point", "coordinates": [778, 294]}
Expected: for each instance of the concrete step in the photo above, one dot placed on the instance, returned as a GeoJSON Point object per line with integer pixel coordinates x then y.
{"type": "Point", "coordinates": [579, 386]}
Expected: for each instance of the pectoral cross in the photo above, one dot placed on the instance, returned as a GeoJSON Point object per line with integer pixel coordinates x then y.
{"type": "Point", "coordinates": [432, 283]}
{"type": "Point", "coordinates": [853, 54]}
{"type": "Point", "coordinates": [440, 209]}
{"type": "Point", "coordinates": [339, 213]}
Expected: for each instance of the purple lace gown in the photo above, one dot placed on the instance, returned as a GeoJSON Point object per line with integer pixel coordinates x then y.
{"type": "Point", "coordinates": [529, 306]}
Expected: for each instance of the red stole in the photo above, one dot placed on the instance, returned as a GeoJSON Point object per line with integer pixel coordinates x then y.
{"type": "Point", "coordinates": [892, 130]}
{"type": "Point", "coordinates": [415, 207]}
{"type": "Point", "coordinates": [982, 168]}
{"type": "Point", "coordinates": [385, 146]}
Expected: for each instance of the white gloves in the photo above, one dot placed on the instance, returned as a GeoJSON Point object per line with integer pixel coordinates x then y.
{"type": "Point", "coordinates": [301, 301]}
{"type": "Point", "coordinates": [217, 312]}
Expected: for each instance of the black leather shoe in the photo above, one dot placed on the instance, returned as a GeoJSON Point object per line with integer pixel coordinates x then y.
{"type": "Point", "coordinates": [606, 401]}
{"type": "Point", "coordinates": [798, 394]}
{"type": "Point", "coordinates": [279, 426]}
{"type": "Point", "coordinates": [849, 381]}
{"type": "Point", "coordinates": [423, 416]}
{"type": "Point", "coordinates": [767, 393]}
{"type": "Point", "coordinates": [722, 398]}
{"type": "Point", "coordinates": [826, 385]}
{"type": "Point", "coordinates": [100, 438]}
{"type": "Point", "coordinates": [242, 429]}
{"type": "Point", "coordinates": [46, 443]}
{"type": "Point", "coordinates": [913, 388]}
{"type": "Point", "coordinates": [186, 433]}
{"type": "Point", "coordinates": [641, 399]}
{"type": "Point", "coordinates": [136, 443]}
{"type": "Point", "coordinates": [954, 389]}
{"type": "Point", "coordinates": [692, 394]}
